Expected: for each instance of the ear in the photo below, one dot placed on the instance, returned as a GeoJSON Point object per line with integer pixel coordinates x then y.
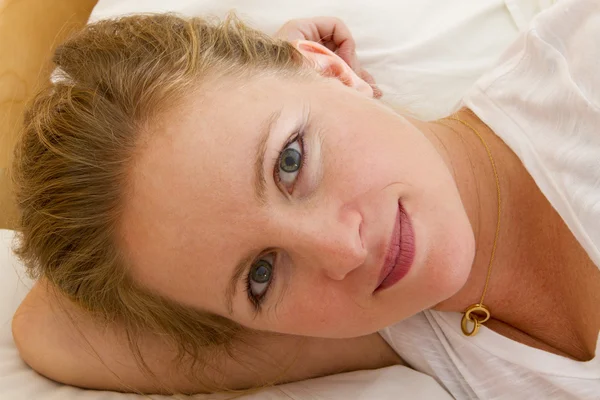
{"type": "Point", "coordinates": [329, 64]}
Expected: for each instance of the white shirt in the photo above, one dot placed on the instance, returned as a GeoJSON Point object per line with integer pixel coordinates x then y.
{"type": "Point", "coordinates": [543, 100]}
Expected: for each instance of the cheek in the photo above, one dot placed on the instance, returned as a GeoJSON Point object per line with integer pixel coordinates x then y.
{"type": "Point", "coordinates": [319, 310]}
{"type": "Point", "coordinates": [356, 163]}
{"type": "Point", "coordinates": [453, 253]}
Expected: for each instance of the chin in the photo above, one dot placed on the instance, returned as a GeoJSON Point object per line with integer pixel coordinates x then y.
{"type": "Point", "coordinates": [448, 254]}
{"type": "Point", "coordinates": [453, 276]}
{"type": "Point", "coordinates": [439, 279]}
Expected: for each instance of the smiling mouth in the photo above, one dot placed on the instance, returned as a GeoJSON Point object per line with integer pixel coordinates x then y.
{"type": "Point", "coordinates": [400, 251]}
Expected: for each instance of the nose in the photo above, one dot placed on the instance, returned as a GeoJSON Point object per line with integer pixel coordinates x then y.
{"type": "Point", "coordinates": [333, 245]}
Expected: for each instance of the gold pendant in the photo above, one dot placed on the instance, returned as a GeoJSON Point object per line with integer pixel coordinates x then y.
{"type": "Point", "coordinates": [478, 314]}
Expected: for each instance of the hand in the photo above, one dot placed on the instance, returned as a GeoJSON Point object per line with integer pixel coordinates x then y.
{"type": "Point", "coordinates": [332, 33]}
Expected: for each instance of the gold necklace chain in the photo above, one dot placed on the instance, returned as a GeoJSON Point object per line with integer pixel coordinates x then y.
{"type": "Point", "coordinates": [478, 313]}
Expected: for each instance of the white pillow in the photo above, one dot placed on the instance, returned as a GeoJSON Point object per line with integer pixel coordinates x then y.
{"type": "Point", "coordinates": [424, 55]}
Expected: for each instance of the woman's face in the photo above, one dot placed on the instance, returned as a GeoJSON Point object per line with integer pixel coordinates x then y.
{"type": "Point", "coordinates": [297, 182]}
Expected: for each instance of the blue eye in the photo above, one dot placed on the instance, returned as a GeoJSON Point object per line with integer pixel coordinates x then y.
{"type": "Point", "coordinates": [290, 163]}
{"type": "Point", "coordinates": [259, 279]}
{"type": "Point", "coordinates": [291, 159]}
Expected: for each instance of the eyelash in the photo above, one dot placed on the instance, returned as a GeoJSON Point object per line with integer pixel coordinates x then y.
{"type": "Point", "coordinates": [257, 302]}
{"type": "Point", "coordinates": [299, 137]}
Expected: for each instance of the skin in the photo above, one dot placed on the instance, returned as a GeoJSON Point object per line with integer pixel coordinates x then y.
{"type": "Point", "coordinates": [332, 230]}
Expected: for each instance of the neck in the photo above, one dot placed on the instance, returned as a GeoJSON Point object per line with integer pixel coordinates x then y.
{"type": "Point", "coordinates": [469, 163]}
{"type": "Point", "coordinates": [526, 286]}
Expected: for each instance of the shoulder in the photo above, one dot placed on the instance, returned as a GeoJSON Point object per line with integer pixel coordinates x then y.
{"type": "Point", "coordinates": [543, 100]}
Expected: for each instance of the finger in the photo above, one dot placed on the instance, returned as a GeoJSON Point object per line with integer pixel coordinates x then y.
{"type": "Point", "coordinates": [295, 30]}
{"type": "Point", "coordinates": [334, 30]}
{"type": "Point", "coordinates": [367, 77]}
{"type": "Point", "coordinates": [330, 45]}
{"type": "Point", "coordinates": [331, 32]}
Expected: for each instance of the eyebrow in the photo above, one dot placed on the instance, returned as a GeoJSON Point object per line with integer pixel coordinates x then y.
{"type": "Point", "coordinates": [260, 192]}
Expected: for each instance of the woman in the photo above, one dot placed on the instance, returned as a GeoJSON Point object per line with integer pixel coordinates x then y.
{"type": "Point", "coordinates": [249, 200]}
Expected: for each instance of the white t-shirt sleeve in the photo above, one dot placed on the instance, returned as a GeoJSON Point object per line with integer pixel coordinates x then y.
{"type": "Point", "coordinates": [543, 100]}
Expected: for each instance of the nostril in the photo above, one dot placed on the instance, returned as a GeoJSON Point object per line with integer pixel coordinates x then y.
{"type": "Point", "coordinates": [360, 234]}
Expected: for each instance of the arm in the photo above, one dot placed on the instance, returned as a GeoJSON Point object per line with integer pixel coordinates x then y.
{"type": "Point", "coordinates": [30, 30]}
{"type": "Point", "coordinates": [50, 343]}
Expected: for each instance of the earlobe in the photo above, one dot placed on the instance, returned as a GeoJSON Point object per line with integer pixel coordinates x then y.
{"type": "Point", "coordinates": [329, 64]}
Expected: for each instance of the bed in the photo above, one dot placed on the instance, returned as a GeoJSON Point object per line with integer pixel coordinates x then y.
{"type": "Point", "coordinates": [424, 54]}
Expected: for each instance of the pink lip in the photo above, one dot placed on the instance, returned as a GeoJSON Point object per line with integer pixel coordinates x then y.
{"type": "Point", "coordinates": [400, 252]}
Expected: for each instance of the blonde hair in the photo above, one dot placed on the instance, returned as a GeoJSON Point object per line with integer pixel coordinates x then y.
{"type": "Point", "coordinates": [80, 136]}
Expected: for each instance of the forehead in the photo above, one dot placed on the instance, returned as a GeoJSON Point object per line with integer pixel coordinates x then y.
{"type": "Point", "coordinates": [191, 196]}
